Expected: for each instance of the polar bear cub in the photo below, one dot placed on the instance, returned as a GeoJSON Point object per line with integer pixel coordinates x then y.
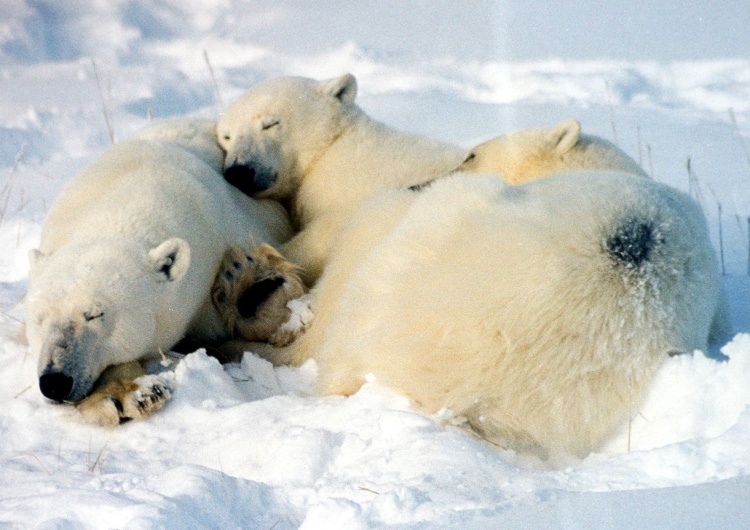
{"type": "Point", "coordinates": [308, 143]}
{"type": "Point", "coordinates": [129, 252]}
{"type": "Point", "coordinates": [529, 154]}
{"type": "Point", "coordinates": [540, 312]}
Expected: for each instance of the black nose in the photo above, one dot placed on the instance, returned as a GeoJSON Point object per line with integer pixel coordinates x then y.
{"type": "Point", "coordinates": [241, 177]}
{"type": "Point", "coordinates": [55, 386]}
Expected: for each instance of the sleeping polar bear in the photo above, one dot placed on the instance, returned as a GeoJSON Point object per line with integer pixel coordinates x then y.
{"type": "Point", "coordinates": [308, 143]}
{"type": "Point", "coordinates": [128, 254]}
{"type": "Point", "coordinates": [539, 312]}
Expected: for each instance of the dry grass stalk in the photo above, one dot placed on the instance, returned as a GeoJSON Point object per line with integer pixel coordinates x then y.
{"type": "Point", "coordinates": [611, 112]}
{"type": "Point", "coordinates": [99, 459]}
{"type": "Point", "coordinates": [745, 149]}
{"type": "Point", "coordinates": [650, 161]}
{"type": "Point", "coordinates": [38, 460]}
{"type": "Point", "coordinates": [8, 187]}
{"type": "Point", "coordinates": [640, 147]}
{"type": "Point", "coordinates": [213, 79]}
{"type": "Point", "coordinates": [107, 119]}
{"type": "Point", "coordinates": [721, 241]}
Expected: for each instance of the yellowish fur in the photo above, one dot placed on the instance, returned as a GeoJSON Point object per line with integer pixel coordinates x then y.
{"type": "Point", "coordinates": [527, 155]}
{"type": "Point", "coordinates": [502, 303]}
{"type": "Point", "coordinates": [124, 393]}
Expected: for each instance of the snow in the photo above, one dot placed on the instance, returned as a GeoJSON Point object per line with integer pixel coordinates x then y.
{"type": "Point", "coordinates": [301, 316]}
{"type": "Point", "coordinates": [252, 446]}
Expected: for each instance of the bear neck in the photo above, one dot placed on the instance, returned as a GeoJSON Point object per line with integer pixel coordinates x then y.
{"type": "Point", "coordinates": [366, 157]}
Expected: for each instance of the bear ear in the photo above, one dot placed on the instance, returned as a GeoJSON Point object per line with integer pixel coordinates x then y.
{"type": "Point", "coordinates": [170, 260]}
{"type": "Point", "coordinates": [36, 258]}
{"type": "Point", "coordinates": [564, 136]}
{"type": "Point", "coordinates": [343, 88]}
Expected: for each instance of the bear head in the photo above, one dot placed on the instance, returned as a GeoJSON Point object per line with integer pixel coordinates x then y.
{"type": "Point", "coordinates": [96, 305]}
{"type": "Point", "coordinates": [277, 130]}
{"type": "Point", "coordinates": [530, 154]}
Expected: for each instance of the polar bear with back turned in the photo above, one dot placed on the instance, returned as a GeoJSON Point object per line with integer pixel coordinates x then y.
{"type": "Point", "coordinates": [540, 312]}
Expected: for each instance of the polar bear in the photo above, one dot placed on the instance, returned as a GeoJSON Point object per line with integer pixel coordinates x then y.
{"type": "Point", "coordinates": [129, 252]}
{"type": "Point", "coordinates": [529, 154]}
{"type": "Point", "coordinates": [539, 312]}
{"type": "Point", "coordinates": [308, 143]}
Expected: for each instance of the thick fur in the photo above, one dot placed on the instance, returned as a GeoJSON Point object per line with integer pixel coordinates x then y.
{"type": "Point", "coordinates": [129, 252]}
{"type": "Point", "coordinates": [307, 142]}
{"type": "Point", "coordinates": [530, 154]}
{"type": "Point", "coordinates": [527, 155]}
{"type": "Point", "coordinates": [539, 312]}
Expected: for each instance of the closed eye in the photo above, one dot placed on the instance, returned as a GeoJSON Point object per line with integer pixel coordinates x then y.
{"type": "Point", "coordinates": [469, 158]}
{"type": "Point", "coordinates": [268, 123]}
{"type": "Point", "coordinates": [93, 315]}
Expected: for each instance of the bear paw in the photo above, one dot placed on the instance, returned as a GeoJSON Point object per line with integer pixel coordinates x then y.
{"type": "Point", "coordinates": [121, 401]}
{"type": "Point", "coordinates": [251, 293]}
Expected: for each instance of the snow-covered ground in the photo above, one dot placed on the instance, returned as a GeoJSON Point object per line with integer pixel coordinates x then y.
{"type": "Point", "coordinates": [248, 446]}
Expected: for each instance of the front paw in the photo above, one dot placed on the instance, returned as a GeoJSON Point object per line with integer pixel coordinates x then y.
{"type": "Point", "coordinates": [121, 401]}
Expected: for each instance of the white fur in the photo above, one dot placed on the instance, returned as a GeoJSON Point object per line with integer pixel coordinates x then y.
{"type": "Point", "coordinates": [130, 250]}
{"type": "Point", "coordinates": [501, 304]}
{"type": "Point", "coordinates": [308, 142]}
{"type": "Point", "coordinates": [529, 154]}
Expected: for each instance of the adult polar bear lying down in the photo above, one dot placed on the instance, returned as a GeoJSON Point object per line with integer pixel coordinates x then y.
{"type": "Point", "coordinates": [129, 252]}
{"type": "Point", "coordinates": [540, 312]}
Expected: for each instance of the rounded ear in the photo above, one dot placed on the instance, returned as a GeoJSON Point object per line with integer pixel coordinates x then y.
{"type": "Point", "coordinates": [343, 88]}
{"type": "Point", "coordinates": [36, 258]}
{"type": "Point", "coordinates": [564, 136]}
{"type": "Point", "coordinates": [170, 260]}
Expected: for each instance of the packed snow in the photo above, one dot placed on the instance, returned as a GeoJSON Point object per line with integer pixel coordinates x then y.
{"type": "Point", "coordinates": [251, 446]}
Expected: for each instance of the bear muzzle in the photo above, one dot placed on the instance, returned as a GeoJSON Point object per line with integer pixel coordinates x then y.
{"type": "Point", "coordinates": [64, 364]}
